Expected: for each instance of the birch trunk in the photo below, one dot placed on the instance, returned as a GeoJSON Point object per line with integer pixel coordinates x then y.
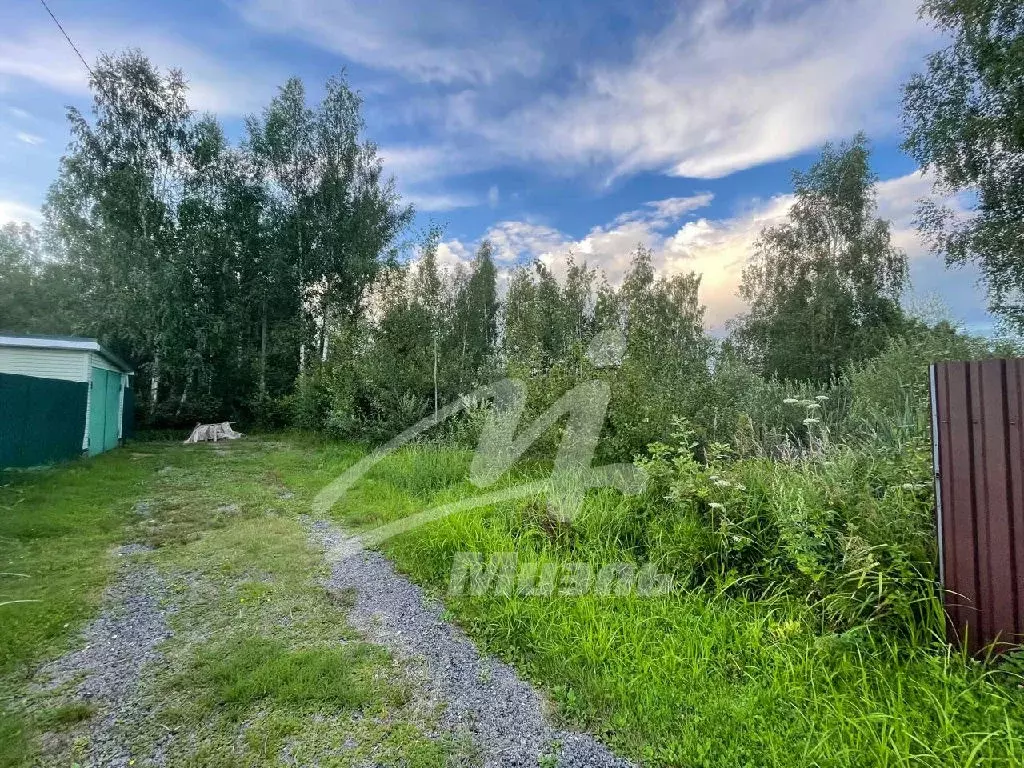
{"type": "Point", "coordinates": [154, 382]}
{"type": "Point", "coordinates": [263, 349]}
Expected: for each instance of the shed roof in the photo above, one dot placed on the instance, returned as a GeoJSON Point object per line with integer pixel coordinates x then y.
{"type": "Point", "coordinates": [74, 343]}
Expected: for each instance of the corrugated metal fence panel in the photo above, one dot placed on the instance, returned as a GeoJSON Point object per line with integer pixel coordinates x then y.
{"type": "Point", "coordinates": [980, 493]}
{"type": "Point", "coordinates": [41, 420]}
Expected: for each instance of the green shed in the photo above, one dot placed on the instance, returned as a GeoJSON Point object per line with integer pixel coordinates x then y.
{"type": "Point", "coordinates": [60, 396]}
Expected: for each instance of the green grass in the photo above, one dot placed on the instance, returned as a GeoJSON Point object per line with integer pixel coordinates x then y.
{"type": "Point", "coordinates": [262, 663]}
{"type": "Point", "coordinates": [702, 677]}
{"type": "Point", "coordinates": [250, 670]}
{"type": "Point", "coordinates": [261, 666]}
{"type": "Point", "coordinates": [56, 529]}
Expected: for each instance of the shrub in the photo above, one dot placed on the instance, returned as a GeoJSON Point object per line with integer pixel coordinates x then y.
{"type": "Point", "coordinates": [889, 394]}
{"type": "Point", "coordinates": [849, 530]}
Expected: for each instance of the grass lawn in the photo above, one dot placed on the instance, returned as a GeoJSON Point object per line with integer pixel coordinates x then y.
{"type": "Point", "coordinates": [261, 667]}
{"type": "Point", "coordinates": [56, 530]}
{"type": "Point", "coordinates": [262, 664]}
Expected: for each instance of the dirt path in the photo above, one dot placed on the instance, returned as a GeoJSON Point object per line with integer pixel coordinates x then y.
{"type": "Point", "coordinates": [483, 700]}
{"type": "Point", "coordinates": [106, 672]}
{"type": "Point", "coordinates": [222, 639]}
{"type": "Point", "coordinates": [482, 696]}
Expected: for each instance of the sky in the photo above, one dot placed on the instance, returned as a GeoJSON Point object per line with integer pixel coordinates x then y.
{"type": "Point", "coordinates": [548, 127]}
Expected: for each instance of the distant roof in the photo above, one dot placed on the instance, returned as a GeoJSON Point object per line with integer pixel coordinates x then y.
{"type": "Point", "coordinates": [78, 343]}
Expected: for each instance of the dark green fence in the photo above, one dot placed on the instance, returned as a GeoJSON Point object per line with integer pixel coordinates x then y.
{"type": "Point", "coordinates": [41, 420]}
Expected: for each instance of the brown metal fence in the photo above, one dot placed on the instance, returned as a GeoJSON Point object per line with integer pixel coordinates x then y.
{"type": "Point", "coordinates": [978, 439]}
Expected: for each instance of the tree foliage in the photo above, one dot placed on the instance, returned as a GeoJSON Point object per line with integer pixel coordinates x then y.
{"type": "Point", "coordinates": [964, 118]}
{"type": "Point", "coordinates": [24, 300]}
{"type": "Point", "coordinates": [266, 280]}
{"type": "Point", "coordinates": [220, 272]}
{"type": "Point", "coordinates": [823, 286]}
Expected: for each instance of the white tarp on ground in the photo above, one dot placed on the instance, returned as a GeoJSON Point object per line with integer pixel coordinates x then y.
{"type": "Point", "coordinates": [214, 432]}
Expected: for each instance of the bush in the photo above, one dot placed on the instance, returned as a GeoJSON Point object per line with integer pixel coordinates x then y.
{"type": "Point", "coordinates": [849, 530]}
{"type": "Point", "coordinates": [889, 394]}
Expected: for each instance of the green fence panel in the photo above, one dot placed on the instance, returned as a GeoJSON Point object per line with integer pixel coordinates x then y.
{"type": "Point", "coordinates": [41, 420]}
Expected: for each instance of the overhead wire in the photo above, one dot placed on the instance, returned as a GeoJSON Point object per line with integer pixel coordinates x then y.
{"type": "Point", "coordinates": [67, 37]}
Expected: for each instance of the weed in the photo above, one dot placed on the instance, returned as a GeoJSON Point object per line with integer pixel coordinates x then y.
{"type": "Point", "coordinates": [804, 634]}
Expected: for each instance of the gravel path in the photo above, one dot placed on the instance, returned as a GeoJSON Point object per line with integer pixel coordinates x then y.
{"type": "Point", "coordinates": [118, 644]}
{"type": "Point", "coordinates": [484, 697]}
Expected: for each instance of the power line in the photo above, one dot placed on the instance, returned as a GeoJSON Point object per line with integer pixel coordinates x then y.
{"type": "Point", "coordinates": [67, 37]}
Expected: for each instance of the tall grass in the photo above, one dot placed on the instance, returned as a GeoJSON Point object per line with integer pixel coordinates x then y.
{"type": "Point", "coordinates": [805, 628]}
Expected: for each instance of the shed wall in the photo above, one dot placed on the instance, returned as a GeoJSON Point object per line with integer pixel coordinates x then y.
{"type": "Point", "coordinates": [99, 361]}
{"type": "Point", "coordinates": [63, 364]}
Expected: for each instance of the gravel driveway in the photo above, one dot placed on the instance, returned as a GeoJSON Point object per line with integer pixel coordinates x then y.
{"type": "Point", "coordinates": [483, 697]}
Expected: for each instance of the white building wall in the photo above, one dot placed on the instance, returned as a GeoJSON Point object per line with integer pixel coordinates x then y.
{"type": "Point", "coordinates": [69, 365]}
{"type": "Point", "coordinates": [101, 362]}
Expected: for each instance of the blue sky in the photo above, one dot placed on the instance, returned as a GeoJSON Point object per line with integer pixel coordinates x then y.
{"type": "Point", "coordinates": [588, 126]}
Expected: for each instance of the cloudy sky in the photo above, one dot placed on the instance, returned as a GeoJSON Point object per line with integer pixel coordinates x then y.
{"type": "Point", "coordinates": [588, 125]}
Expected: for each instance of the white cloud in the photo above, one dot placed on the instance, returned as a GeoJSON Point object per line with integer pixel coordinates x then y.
{"type": "Point", "coordinates": [721, 87]}
{"type": "Point", "coordinates": [493, 196]}
{"type": "Point", "coordinates": [13, 210]}
{"type": "Point", "coordinates": [437, 41]}
{"type": "Point", "coordinates": [661, 213]}
{"type": "Point", "coordinates": [719, 90]}
{"type": "Point", "coordinates": [42, 58]}
{"type": "Point", "coordinates": [411, 164]}
{"type": "Point", "coordinates": [957, 289]}
{"type": "Point", "coordinates": [522, 241]}
{"type": "Point", "coordinates": [28, 138]}
{"type": "Point", "coordinates": [439, 201]}
{"type": "Point", "coordinates": [453, 254]}
{"type": "Point", "coordinates": [40, 55]}
{"type": "Point", "coordinates": [719, 249]}
{"type": "Point", "coordinates": [609, 248]}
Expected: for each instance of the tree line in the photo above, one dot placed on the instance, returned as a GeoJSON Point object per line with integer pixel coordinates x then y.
{"type": "Point", "coordinates": [276, 280]}
{"type": "Point", "coordinates": [219, 271]}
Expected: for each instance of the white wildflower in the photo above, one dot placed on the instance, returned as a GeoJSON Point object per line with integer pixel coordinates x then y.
{"type": "Point", "coordinates": [790, 401]}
